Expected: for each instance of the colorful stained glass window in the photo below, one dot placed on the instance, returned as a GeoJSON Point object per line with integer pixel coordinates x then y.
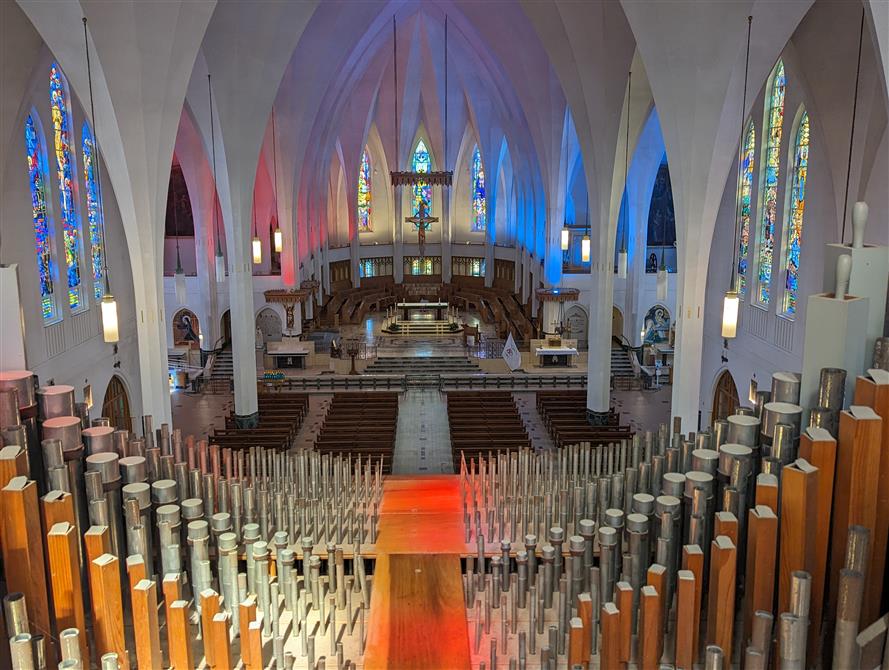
{"type": "Point", "coordinates": [364, 223]}
{"type": "Point", "coordinates": [479, 207]}
{"type": "Point", "coordinates": [42, 235]}
{"type": "Point", "coordinates": [422, 191]}
{"type": "Point", "coordinates": [794, 236]}
{"type": "Point", "coordinates": [366, 268]}
{"type": "Point", "coordinates": [93, 210]}
{"type": "Point", "coordinates": [745, 188]}
{"type": "Point", "coordinates": [71, 233]}
{"type": "Point", "coordinates": [421, 266]}
{"type": "Point", "coordinates": [771, 166]}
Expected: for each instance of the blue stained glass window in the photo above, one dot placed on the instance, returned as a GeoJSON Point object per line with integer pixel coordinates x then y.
{"type": "Point", "coordinates": [769, 214]}
{"type": "Point", "coordinates": [42, 234]}
{"type": "Point", "coordinates": [93, 209]}
{"type": "Point", "coordinates": [794, 236]}
{"type": "Point", "coordinates": [422, 191]}
{"type": "Point", "coordinates": [71, 232]}
{"type": "Point", "coordinates": [745, 189]}
{"type": "Point", "coordinates": [479, 206]}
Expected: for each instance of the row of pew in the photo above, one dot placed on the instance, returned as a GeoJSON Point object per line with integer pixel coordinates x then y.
{"type": "Point", "coordinates": [484, 422]}
{"type": "Point", "coordinates": [361, 424]}
{"type": "Point", "coordinates": [564, 415]}
{"type": "Point", "coordinates": [280, 417]}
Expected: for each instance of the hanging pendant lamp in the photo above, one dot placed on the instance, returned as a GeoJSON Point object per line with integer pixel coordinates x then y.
{"type": "Point", "coordinates": [622, 260]}
{"type": "Point", "coordinates": [110, 326]}
{"type": "Point", "coordinates": [662, 279]}
{"type": "Point", "coordinates": [731, 302]}
{"type": "Point", "coordinates": [566, 237]}
{"type": "Point", "coordinates": [257, 243]}
{"type": "Point", "coordinates": [278, 234]}
{"type": "Point", "coordinates": [585, 247]}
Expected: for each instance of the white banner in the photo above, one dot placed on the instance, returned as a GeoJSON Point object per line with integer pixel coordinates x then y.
{"type": "Point", "coordinates": [511, 354]}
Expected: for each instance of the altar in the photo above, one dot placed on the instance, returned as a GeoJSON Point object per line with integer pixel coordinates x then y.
{"type": "Point", "coordinates": [289, 353]}
{"type": "Point", "coordinates": [406, 308]}
{"type": "Point", "coordinates": [555, 357]}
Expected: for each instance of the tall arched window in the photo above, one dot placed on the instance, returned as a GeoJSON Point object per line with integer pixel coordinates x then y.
{"type": "Point", "coordinates": [479, 206]}
{"type": "Point", "coordinates": [93, 210]}
{"type": "Point", "coordinates": [71, 232]}
{"type": "Point", "coordinates": [364, 223]}
{"type": "Point", "coordinates": [422, 190]}
{"type": "Point", "coordinates": [42, 231]}
{"type": "Point", "coordinates": [794, 218]}
{"type": "Point", "coordinates": [769, 182]}
{"type": "Point", "coordinates": [745, 188]}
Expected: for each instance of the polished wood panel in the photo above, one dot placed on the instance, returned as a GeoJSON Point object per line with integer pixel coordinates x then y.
{"type": "Point", "coordinates": [762, 546]}
{"type": "Point", "coordinates": [855, 495]}
{"type": "Point", "coordinates": [179, 637]}
{"type": "Point", "coordinates": [145, 626]}
{"type": "Point", "coordinates": [876, 396]}
{"type": "Point", "coordinates": [64, 573]}
{"type": "Point", "coordinates": [721, 604]}
{"type": "Point", "coordinates": [209, 600]}
{"type": "Point", "coordinates": [624, 600]}
{"type": "Point", "coordinates": [651, 637]}
{"type": "Point", "coordinates": [108, 608]}
{"type": "Point", "coordinates": [799, 487]}
{"type": "Point", "coordinates": [610, 652]}
{"type": "Point", "coordinates": [418, 615]}
{"type": "Point", "coordinates": [693, 561]}
{"type": "Point", "coordinates": [687, 618]}
{"type": "Point", "coordinates": [819, 448]}
{"type": "Point", "coordinates": [23, 555]}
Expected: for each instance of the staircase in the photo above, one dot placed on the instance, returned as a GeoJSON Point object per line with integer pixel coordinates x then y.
{"type": "Point", "coordinates": [622, 371]}
{"type": "Point", "coordinates": [422, 366]}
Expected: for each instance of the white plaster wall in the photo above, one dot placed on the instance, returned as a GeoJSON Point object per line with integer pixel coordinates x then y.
{"type": "Point", "coordinates": [73, 350]}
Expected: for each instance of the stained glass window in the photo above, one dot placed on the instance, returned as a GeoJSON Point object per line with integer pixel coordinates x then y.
{"type": "Point", "coordinates": [479, 208]}
{"type": "Point", "coordinates": [421, 266]}
{"type": "Point", "coordinates": [768, 216]}
{"type": "Point", "coordinates": [366, 268]}
{"type": "Point", "coordinates": [93, 210]}
{"type": "Point", "coordinates": [794, 236]}
{"type": "Point", "coordinates": [745, 188]}
{"type": "Point", "coordinates": [422, 191]}
{"type": "Point", "coordinates": [42, 236]}
{"type": "Point", "coordinates": [364, 223]}
{"type": "Point", "coordinates": [71, 233]}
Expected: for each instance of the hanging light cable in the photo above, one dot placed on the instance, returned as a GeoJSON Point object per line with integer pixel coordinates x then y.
{"type": "Point", "coordinates": [220, 259]}
{"type": "Point", "coordinates": [278, 234]}
{"type": "Point", "coordinates": [622, 254]}
{"type": "Point", "coordinates": [179, 274]}
{"type": "Point", "coordinates": [110, 326]}
{"type": "Point", "coordinates": [731, 301]}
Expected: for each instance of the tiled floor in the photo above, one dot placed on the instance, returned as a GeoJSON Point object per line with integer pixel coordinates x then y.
{"type": "Point", "coordinates": [423, 440]}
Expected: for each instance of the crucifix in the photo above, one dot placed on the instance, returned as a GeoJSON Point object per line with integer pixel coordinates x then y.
{"type": "Point", "coordinates": [423, 222]}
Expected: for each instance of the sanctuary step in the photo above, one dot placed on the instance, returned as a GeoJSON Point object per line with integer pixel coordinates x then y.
{"type": "Point", "coordinates": [422, 365]}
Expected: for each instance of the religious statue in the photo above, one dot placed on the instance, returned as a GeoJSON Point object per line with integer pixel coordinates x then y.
{"type": "Point", "coordinates": [423, 222]}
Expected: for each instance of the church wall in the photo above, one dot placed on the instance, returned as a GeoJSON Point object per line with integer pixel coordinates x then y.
{"type": "Point", "coordinates": [767, 342]}
{"type": "Point", "coordinates": [71, 351]}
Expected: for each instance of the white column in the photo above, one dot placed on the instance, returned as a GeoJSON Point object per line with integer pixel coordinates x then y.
{"type": "Point", "coordinates": [598, 392]}
{"type": "Point", "coordinates": [240, 285]}
{"type": "Point", "coordinates": [397, 248]}
{"type": "Point", "coordinates": [12, 344]}
{"type": "Point", "coordinates": [446, 249]}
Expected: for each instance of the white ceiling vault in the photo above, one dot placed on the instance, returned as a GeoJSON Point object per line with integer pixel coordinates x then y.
{"type": "Point", "coordinates": [535, 81]}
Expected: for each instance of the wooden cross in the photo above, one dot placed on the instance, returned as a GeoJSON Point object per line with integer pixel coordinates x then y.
{"type": "Point", "coordinates": [423, 222]}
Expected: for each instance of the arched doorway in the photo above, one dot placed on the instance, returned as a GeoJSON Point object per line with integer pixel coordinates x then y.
{"type": "Point", "coordinates": [226, 328]}
{"type": "Point", "coordinates": [116, 405]}
{"type": "Point", "coordinates": [725, 397]}
{"type": "Point", "coordinates": [269, 323]}
{"type": "Point", "coordinates": [617, 322]}
{"type": "Point", "coordinates": [186, 329]}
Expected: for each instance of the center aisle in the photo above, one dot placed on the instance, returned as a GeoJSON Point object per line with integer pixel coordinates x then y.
{"type": "Point", "coordinates": [417, 615]}
{"type": "Point", "coordinates": [423, 438]}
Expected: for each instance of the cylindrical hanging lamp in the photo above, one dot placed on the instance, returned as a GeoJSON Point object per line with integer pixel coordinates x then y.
{"type": "Point", "coordinates": [110, 330]}
{"type": "Point", "coordinates": [566, 237]}
{"type": "Point", "coordinates": [731, 302]}
{"type": "Point", "coordinates": [585, 247]}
